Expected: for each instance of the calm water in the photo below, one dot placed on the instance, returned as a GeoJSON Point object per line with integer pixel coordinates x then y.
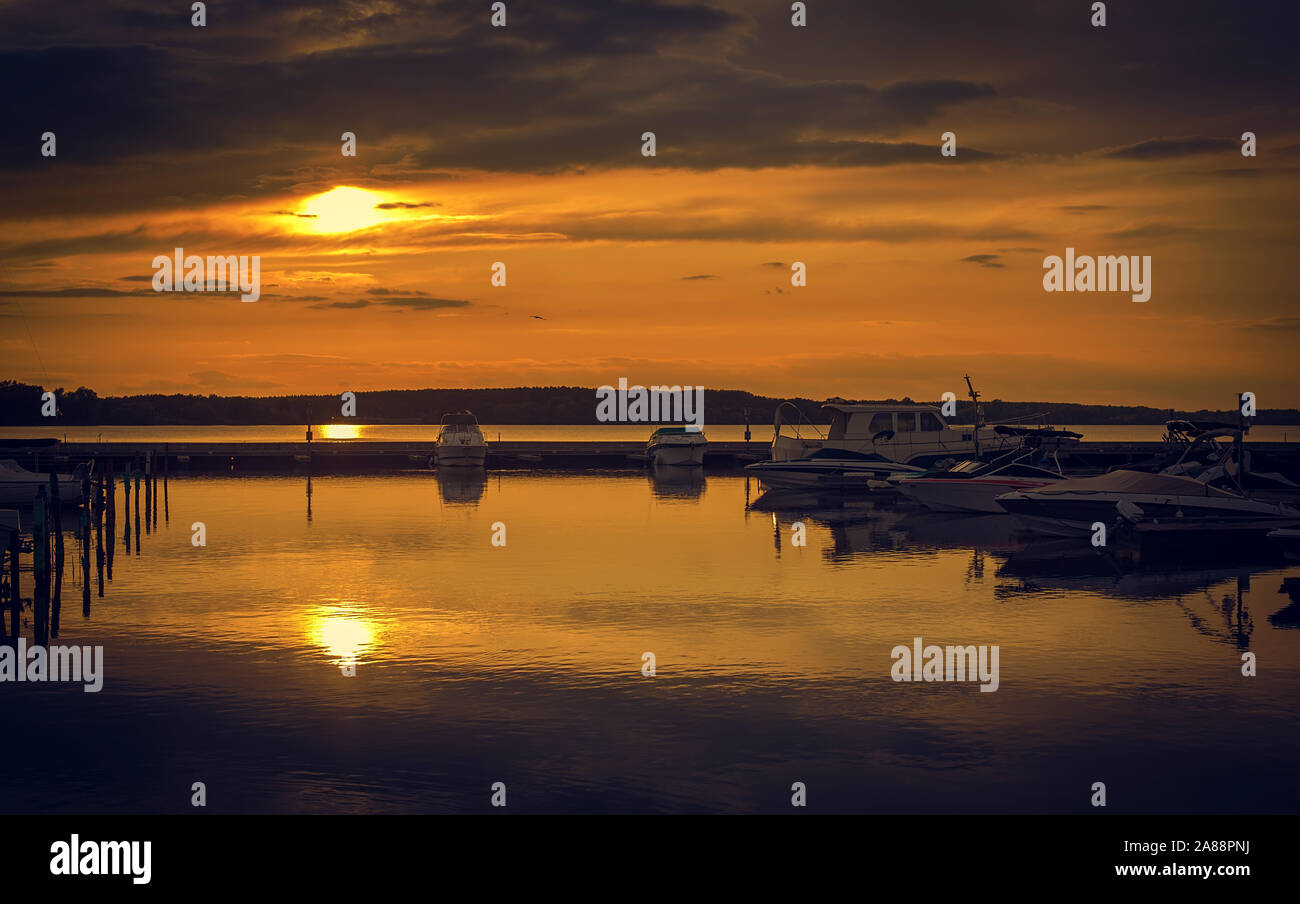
{"type": "Point", "coordinates": [760, 433]}
{"type": "Point", "coordinates": [522, 664]}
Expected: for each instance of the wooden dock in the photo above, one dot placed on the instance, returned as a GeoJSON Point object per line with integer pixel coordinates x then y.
{"type": "Point", "coordinates": [342, 456]}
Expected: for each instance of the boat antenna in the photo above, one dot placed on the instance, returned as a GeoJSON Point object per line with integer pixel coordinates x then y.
{"type": "Point", "coordinates": [979, 413]}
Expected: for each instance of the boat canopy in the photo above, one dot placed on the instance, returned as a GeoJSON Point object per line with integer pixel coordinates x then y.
{"type": "Point", "coordinates": [1136, 482]}
{"type": "Point", "coordinates": [459, 417]}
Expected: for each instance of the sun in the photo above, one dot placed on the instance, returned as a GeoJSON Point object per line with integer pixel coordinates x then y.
{"type": "Point", "coordinates": [343, 209]}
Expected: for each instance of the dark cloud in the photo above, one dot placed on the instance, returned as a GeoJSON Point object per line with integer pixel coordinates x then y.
{"type": "Point", "coordinates": [1165, 148]}
{"type": "Point", "coordinates": [358, 303]}
{"type": "Point", "coordinates": [1084, 208]}
{"type": "Point", "coordinates": [405, 205]}
{"type": "Point", "coordinates": [984, 260]}
{"type": "Point", "coordinates": [425, 303]}
{"type": "Point", "coordinates": [1274, 325]}
{"type": "Point", "coordinates": [700, 276]}
{"type": "Point", "coordinates": [74, 292]}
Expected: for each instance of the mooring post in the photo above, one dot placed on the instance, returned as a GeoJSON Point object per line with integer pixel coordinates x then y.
{"type": "Point", "coordinates": [41, 567]}
{"type": "Point", "coordinates": [167, 516]}
{"type": "Point", "coordinates": [111, 518]}
{"type": "Point", "coordinates": [99, 547]}
{"type": "Point", "coordinates": [15, 597]}
{"type": "Point", "coordinates": [136, 474]}
{"type": "Point", "coordinates": [126, 509]}
{"type": "Point", "coordinates": [85, 559]}
{"type": "Point", "coordinates": [148, 490]}
{"type": "Point", "coordinates": [56, 509]}
{"type": "Point", "coordinates": [153, 469]}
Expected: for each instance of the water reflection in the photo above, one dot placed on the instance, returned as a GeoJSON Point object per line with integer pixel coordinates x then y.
{"type": "Point", "coordinates": [461, 486]}
{"type": "Point", "coordinates": [1288, 616]}
{"type": "Point", "coordinates": [676, 483]}
{"type": "Point", "coordinates": [523, 662]}
{"type": "Point", "coordinates": [345, 632]}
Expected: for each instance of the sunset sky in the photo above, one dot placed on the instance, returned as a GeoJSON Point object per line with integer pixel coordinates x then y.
{"type": "Point", "coordinates": [775, 144]}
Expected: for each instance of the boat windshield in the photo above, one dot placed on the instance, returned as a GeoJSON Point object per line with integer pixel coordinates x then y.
{"type": "Point", "coordinates": [967, 467]}
{"type": "Point", "coordinates": [455, 429]}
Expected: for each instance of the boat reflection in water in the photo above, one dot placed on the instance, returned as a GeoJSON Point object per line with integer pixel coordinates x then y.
{"type": "Point", "coordinates": [674, 482]}
{"type": "Point", "coordinates": [1212, 591]}
{"type": "Point", "coordinates": [461, 486]}
{"type": "Point", "coordinates": [860, 525]}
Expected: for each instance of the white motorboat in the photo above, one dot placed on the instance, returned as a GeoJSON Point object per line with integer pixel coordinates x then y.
{"type": "Point", "coordinates": [677, 447]}
{"type": "Point", "coordinates": [832, 469]}
{"type": "Point", "coordinates": [1152, 502]}
{"type": "Point", "coordinates": [912, 434]}
{"type": "Point", "coordinates": [973, 486]}
{"type": "Point", "coordinates": [18, 486]}
{"type": "Point", "coordinates": [460, 442]}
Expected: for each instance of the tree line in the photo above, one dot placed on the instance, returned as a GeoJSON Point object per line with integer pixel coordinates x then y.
{"type": "Point", "coordinates": [21, 405]}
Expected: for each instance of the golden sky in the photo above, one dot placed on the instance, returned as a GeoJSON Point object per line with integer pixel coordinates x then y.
{"type": "Point", "coordinates": [775, 144]}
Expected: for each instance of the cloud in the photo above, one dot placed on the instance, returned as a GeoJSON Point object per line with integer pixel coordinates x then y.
{"type": "Point", "coordinates": [405, 205]}
{"type": "Point", "coordinates": [358, 303]}
{"type": "Point", "coordinates": [1166, 148]}
{"type": "Point", "coordinates": [425, 304]}
{"type": "Point", "coordinates": [701, 276]}
{"type": "Point", "coordinates": [984, 260]}
{"type": "Point", "coordinates": [1274, 325]}
{"type": "Point", "coordinates": [1084, 208]}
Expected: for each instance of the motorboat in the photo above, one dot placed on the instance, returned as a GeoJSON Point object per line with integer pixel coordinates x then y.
{"type": "Point", "coordinates": [974, 485]}
{"type": "Point", "coordinates": [905, 432]}
{"type": "Point", "coordinates": [1150, 502]}
{"type": "Point", "coordinates": [828, 468]}
{"type": "Point", "coordinates": [18, 486]}
{"type": "Point", "coordinates": [676, 447]}
{"type": "Point", "coordinates": [911, 434]}
{"type": "Point", "coordinates": [460, 442]}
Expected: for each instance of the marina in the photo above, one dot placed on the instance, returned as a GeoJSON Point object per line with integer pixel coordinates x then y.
{"type": "Point", "coordinates": [358, 455]}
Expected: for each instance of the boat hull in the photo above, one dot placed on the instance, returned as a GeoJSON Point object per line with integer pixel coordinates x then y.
{"type": "Point", "coordinates": [798, 475]}
{"type": "Point", "coordinates": [1072, 515]}
{"type": "Point", "coordinates": [23, 492]}
{"type": "Point", "coordinates": [676, 455]}
{"type": "Point", "coordinates": [451, 455]}
{"type": "Point", "coordinates": [971, 495]}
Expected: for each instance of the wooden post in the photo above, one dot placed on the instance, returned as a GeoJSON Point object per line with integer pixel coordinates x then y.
{"type": "Point", "coordinates": [148, 490]}
{"type": "Point", "coordinates": [126, 509]}
{"type": "Point", "coordinates": [56, 509]}
{"type": "Point", "coordinates": [111, 516]}
{"type": "Point", "coordinates": [136, 476]}
{"type": "Point", "coordinates": [41, 567]}
{"type": "Point", "coordinates": [15, 597]}
{"type": "Point", "coordinates": [167, 516]}
{"type": "Point", "coordinates": [99, 548]}
{"type": "Point", "coordinates": [85, 562]}
{"type": "Point", "coordinates": [153, 471]}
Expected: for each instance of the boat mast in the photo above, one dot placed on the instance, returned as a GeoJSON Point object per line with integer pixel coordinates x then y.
{"type": "Point", "coordinates": [979, 413]}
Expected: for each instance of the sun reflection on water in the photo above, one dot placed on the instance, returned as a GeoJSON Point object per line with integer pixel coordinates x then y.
{"type": "Point", "coordinates": [345, 633]}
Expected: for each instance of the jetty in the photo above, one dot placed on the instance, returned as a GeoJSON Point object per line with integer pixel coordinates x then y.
{"type": "Point", "coordinates": [358, 456]}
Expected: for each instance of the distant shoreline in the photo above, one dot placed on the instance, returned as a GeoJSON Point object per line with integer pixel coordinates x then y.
{"type": "Point", "coordinates": [21, 404]}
